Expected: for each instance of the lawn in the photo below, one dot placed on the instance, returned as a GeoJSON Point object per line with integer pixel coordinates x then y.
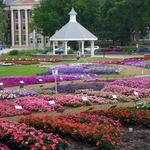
{"type": "Point", "coordinates": [27, 70]}
{"type": "Point", "coordinates": [23, 70]}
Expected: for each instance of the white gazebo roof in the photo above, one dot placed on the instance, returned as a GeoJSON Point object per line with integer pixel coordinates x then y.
{"type": "Point", "coordinates": [73, 31]}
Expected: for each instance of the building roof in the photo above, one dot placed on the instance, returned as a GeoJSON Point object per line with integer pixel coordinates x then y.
{"type": "Point", "coordinates": [21, 2]}
{"type": "Point", "coordinates": [73, 31]}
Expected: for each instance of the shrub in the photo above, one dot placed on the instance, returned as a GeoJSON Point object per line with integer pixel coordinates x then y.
{"type": "Point", "coordinates": [14, 52]}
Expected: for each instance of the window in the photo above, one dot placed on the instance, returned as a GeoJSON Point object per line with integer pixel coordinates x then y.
{"type": "Point", "coordinates": [16, 15]}
{"type": "Point", "coordinates": [17, 38]}
{"type": "Point", "coordinates": [8, 15]}
{"type": "Point", "coordinates": [24, 38]}
{"type": "Point", "coordinates": [16, 26]}
{"type": "Point", "coordinates": [23, 26]}
{"type": "Point", "coordinates": [23, 14]}
{"type": "Point", "coordinates": [39, 40]}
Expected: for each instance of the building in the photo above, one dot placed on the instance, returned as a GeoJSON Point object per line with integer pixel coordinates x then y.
{"type": "Point", "coordinates": [19, 14]}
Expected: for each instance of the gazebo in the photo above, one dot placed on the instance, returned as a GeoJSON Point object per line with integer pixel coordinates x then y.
{"type": "Point", "coordinates": [73, 31]}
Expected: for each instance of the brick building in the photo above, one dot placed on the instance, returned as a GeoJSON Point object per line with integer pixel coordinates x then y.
{"type": "Point", "coordinates": [19, 14]}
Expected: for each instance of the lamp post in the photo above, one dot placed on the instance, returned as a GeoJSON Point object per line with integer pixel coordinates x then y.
{"type": "Point", "coordinates": [148, 28]}
{"type": "Point", "coordinates": [55, 73]}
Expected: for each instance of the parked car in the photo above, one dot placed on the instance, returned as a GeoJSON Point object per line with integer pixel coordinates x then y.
{"type": "Point", "coordinates": [1, 47]}
{"type": "Point", "coordinates": [112, 49]}
{"type": "Point", "coordinates": [142, 50]}
{"type": "Point", "coordinates": [60, 50]}
{"type": "Point", "coordinates": [96, 47]}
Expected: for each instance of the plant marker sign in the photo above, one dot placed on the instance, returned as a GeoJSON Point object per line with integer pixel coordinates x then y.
{"type": "Point", "coordinates": [18, 107]}
{"type": "Point", "coordinates": [136, 93]}
{"type": "Point", "coordinates": [114, 96]}
{"type": "Point", "coordinates": [84, 98]}
{"type": "Point", "coordinates": [51, 102]}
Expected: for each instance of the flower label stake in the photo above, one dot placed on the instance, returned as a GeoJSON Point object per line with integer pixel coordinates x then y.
{"type": "Point", "coordinates": [130, 129]}
{"type": "Point", "coordinates": [51, 102]}
{"type": "Point", "coordinates": [114, 96]}
{"type": "Point", "coordinates": [136, 93]}
{"type": "Point", "coordinates": [1, 85]}
{"type": "Point", "coordinates": [18, 107]}
{"type": "Point", "coordinates": [21, 84]}
{"type": "Point", "coordinates": [84, 98]}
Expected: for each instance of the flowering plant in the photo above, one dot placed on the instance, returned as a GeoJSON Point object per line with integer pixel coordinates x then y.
{"type": "Point", "coordinates": [99, 130]}
{"type": "Point", "coordinates": [20, 136]}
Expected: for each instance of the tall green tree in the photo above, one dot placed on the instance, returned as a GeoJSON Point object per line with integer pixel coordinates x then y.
{"type": "Point", "coordinates": [50, 15]}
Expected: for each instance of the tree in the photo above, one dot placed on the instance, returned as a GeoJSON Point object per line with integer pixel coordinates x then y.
{"type": "Point", "coordinates": [125, 18]}
{"type": "Point", "coordinates": [50, 15]}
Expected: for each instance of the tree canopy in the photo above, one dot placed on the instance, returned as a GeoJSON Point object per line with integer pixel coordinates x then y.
{"type": "Point", "coordinates": [107, 19]}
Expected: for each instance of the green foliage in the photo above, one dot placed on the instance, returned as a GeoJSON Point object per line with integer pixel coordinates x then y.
{"type": "Point", "coordinates": [117, 20]}
{"type": "Point", "coordinates": [14, 52]}
{"type": "Point", "coordinates": [145, 105]}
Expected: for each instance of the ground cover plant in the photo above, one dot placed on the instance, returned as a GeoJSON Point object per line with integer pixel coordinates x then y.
{"type": "Point", "coordinates": [97, 130]}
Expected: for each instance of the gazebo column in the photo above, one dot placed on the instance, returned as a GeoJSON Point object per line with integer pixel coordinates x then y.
{"type": "Point", "coordinates": [53, 47]}
{"type": "Point", "coordinates": [92, 48]}
{"type": "Point", "coordinates": [66, 51]}
{"type": "Point", "coordinates": [82, 47]}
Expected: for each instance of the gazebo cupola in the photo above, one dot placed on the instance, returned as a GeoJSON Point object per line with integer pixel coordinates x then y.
{"type": "Point", "coordinates": [72, 15]}
{"type": "Point", "coordinates": [73, 31]}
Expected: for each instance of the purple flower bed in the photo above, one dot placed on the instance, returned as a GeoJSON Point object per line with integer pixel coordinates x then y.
{"type": "Point", "coordinates": [71, 88]}
{"type": "Point", "coordinates": [82, 69]}
{"type": "Point", "coordinates": [14, 81]}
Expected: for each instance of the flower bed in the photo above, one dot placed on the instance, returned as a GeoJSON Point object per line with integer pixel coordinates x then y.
{"type": "Point", "coordinates": [129, 62]}
{"type": "Point", "coordinates": [20, 136]}
{"type": "Point", "coordinates": [75, 100]}
{"type": "Point", "coordinates": [133, 82]}
{"type": "Point", "coordinates": [96, 130]}
{"type": "Point", "coordinates": [11, 94]}
{"type": "Point", "coordinates": [71, 88]}
{"type": "Point", "coordinates": [127, 116]}
{"type": "Point", "coordinates": [7, 108]}
{"type": "Point", "coordinates": [4, 147]}
{"type": "Point", "coordinates": [29, 60]}
{"type": "Point", "coordinates": [14, 81]}
{"type": "Point", "coordinates": [81, 69]}
{"type": "Point", "coordinates": [127, 91]}
{"type": "Point", "coordinates": [109, 95]}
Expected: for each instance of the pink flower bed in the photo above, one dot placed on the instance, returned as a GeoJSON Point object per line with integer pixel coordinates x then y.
{"type": "Point", "coordinates": [75, 100]}
{"type": "Point", "coordinates": [4, 147]}
{"type": "Point", "coordinates": [127, 91]}
{"type": "Point", "coordinates": [133, 82]}
{"type": "Point", "coordinates": [7, 108]}
{"type": "Point", "coordinates": [33, 104]}
{"type": "Point", "coordinates": [20, 136]}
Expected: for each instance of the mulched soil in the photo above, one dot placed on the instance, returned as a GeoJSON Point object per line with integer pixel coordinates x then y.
{"type": "Point", "coordinates": [139, 139]}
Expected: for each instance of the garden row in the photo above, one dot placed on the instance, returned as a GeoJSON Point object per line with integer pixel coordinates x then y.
{"type": "Point", "coordinates": [129, 62]}
{"type": "Point", "coordinates": [47, 103]}
{"type": "Point", "coordinates": [28, 60]}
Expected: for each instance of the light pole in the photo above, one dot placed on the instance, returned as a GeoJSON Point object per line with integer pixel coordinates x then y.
{"type": "Point", "coordinates": [55, 73]}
